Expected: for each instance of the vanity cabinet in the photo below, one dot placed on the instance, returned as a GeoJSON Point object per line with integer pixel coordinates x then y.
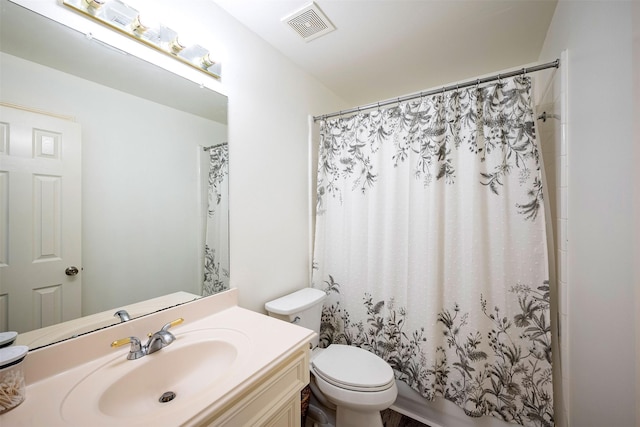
{"type": "Point", "coordinates": [273, 400]}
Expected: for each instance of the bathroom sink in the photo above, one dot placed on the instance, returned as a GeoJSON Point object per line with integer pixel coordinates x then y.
{"type": "Point", "coordinates": [168, 380]}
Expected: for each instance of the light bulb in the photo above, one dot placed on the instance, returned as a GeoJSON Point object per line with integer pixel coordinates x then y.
{"type": "Point", "coordinates": [207, 61]}
{"type": "Point", "coordinates": [144, 23]}
{"type": "Point", "coordinates": [175, 46]}
{"type": "Point", "coordinates": [94, 4]}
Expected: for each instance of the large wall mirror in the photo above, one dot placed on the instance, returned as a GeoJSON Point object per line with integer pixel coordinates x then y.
{"type": "Point", "coordinates": [153, 153]}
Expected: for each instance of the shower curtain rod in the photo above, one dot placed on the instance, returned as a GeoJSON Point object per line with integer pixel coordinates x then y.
{"type": "Point", "coordinates": [214, 146]}
{"type": "Point", "coordinates": [553, 64]}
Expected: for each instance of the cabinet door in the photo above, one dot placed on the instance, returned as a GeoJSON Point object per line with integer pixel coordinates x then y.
{"type": "Point", "coordinates": [274, 400]}
{"type": "Point", "coordinates": [287, 416]}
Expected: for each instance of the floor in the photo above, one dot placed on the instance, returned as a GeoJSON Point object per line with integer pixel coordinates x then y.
{"type": "Point", "coordinates": [391, 418]}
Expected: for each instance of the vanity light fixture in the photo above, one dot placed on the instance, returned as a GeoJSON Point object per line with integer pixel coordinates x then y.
{"type": "Point", "coordinates": [125, 19]}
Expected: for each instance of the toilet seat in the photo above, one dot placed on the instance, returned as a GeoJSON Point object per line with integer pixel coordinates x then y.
{"type": "Point", "coordinates": [352, 368]}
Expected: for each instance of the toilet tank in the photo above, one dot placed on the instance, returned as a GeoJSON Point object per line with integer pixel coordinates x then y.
{"type": "Point", "coordinates": [303, 307]}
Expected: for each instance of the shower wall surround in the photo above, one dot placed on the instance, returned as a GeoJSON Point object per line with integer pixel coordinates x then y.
{"type": "Point", "coordinates": [551, 98]}
{"type": "Point", "coordinates": [598, 293]}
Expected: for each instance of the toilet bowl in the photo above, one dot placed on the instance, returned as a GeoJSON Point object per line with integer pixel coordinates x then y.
{"type": "Point", "coordinates": [359, 384]}
{"type": "Point", "coordinates": [356, 383]}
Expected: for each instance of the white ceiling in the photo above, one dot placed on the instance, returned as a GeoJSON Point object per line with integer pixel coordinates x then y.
{"type": "Point", "coordinates": [383, 49]}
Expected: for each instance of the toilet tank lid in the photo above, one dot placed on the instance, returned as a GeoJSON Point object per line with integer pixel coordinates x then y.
{"type": "Point", "coordinates": [295, 302]}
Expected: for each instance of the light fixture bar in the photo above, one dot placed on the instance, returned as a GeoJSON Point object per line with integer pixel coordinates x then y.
{"type": "Point", "coordinates": [126, 20]}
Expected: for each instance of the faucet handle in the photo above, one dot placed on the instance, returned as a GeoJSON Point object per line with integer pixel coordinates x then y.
{"type": "Point", "coordinates": [171, 324]}
{"type": "Point", "coordinates": [166, 327]}
{"type": "Point", "coordinates": [135, 352]}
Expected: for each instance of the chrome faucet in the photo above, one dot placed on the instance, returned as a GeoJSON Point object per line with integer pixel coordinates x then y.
{"type": "Point", "coordinates": [162, 338]}
{"type": "Point", "coordinates": [123, 315]}
{"type": "Point", "coordinates": [156, 342]}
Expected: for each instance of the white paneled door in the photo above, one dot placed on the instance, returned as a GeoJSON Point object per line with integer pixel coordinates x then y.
{"type": "Point", "coordinates": [40, 220]}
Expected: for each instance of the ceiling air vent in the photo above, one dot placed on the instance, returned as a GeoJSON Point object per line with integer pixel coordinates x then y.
{"type": "Point", "coordinates": [309, 22]}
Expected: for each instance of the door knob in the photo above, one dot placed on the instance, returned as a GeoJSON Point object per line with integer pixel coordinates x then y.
{"type": "Point", "coordinates": [71, 271]}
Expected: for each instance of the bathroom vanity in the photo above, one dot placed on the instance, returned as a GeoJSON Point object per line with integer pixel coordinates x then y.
{"type": "Point", "coordinates": [226, 367]}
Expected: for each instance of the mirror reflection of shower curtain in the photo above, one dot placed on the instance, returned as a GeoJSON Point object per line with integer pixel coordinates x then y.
{"type": "Point", "coordinates": [216, 256]}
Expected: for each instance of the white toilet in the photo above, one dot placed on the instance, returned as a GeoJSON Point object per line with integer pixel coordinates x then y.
{"type": "Point", "coordinates": [353, 382]}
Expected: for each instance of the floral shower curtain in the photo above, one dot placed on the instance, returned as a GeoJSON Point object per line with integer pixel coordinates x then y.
{"type": "Point", "coordinates": [430, 243]}
{"type": "Point", "coordinates": [216, 257]}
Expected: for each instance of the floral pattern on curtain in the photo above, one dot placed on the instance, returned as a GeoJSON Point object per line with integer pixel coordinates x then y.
{"type": "Point", "coordinates": [216, 254]}
{"type": "Point", "coordinates": [431, 245]}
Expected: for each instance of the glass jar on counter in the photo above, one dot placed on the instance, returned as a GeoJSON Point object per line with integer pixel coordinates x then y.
{"type": "Point", "coordinates": [12, 384]}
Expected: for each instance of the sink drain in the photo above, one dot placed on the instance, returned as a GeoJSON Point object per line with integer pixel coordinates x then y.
{"type": "Point", "coordinates": [167, 396]}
